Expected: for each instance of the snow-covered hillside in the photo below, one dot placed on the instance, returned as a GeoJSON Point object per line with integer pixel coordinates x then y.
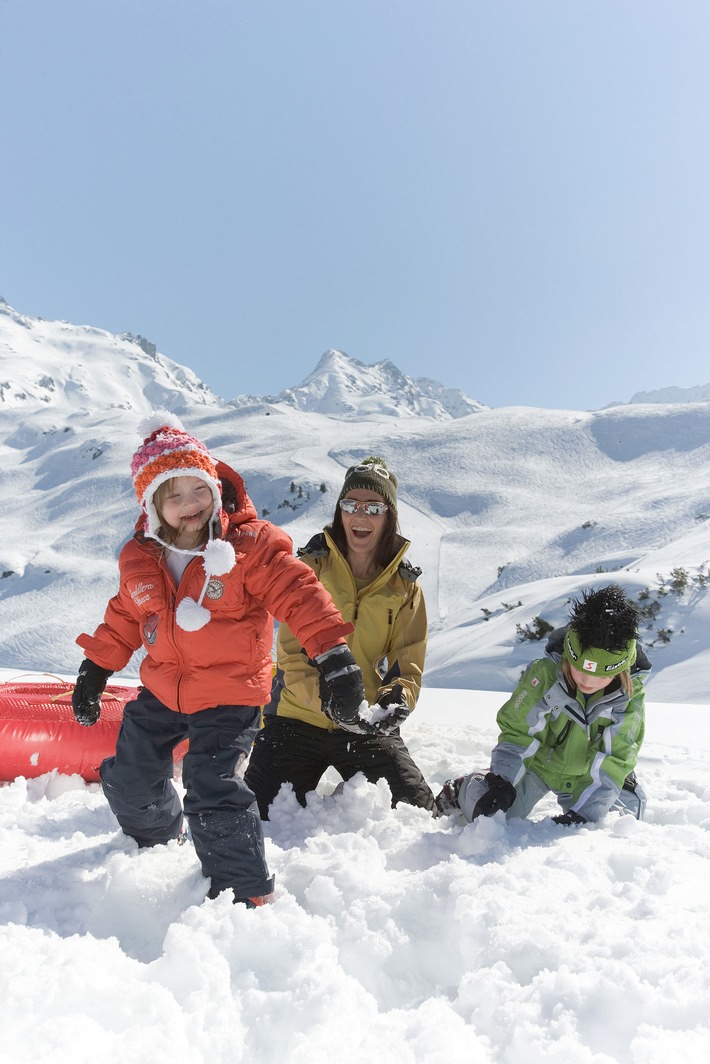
{"type": "Point", "coordinates": [510, 511]}
{"type": "Point", "coordinates": [71, 368]}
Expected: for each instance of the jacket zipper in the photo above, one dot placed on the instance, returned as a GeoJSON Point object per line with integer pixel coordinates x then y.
{"type": "Point", "coordinates": [561, 738]}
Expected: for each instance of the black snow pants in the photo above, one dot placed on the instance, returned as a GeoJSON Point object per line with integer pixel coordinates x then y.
{"type": "Point", "coordinates": [291, 751]}
{"type": "Point", "coordinates": [220, 808]}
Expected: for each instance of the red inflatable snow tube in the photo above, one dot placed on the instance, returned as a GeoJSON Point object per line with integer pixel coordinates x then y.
{"type": "Point", "coordinates": [38, 732]}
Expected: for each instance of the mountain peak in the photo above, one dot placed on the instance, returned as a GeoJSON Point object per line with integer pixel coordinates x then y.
{"type": "Point", "coordinates": [343, 386]}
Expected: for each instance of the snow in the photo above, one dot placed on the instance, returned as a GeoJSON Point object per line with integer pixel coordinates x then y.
{"type": "Point", "coordinates": [393, 936]}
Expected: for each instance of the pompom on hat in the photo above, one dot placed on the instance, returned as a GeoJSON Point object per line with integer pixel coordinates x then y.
{"type": "Point", "coordinates": [168, 451]}
{"type": "Point", "coordinates": [372, 474]}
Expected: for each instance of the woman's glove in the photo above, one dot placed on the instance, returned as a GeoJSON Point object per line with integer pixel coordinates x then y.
{"type": "Point", "coordinates": [396, 711]}
{"type": "Point", "coordinates": [342, 691]}
{"type": "Point", "coordinates": [86, 696]}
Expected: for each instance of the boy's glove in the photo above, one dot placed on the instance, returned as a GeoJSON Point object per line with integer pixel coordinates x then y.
{"type": "Point", "coordinates": [342, 691]}
{"type": "Point", "coordinates": [397, 711]}
{"type": "Point", "coordinates": [86, 696]}
{"type": "Point", "coordinates": [569, 819]}
{"type": "Point", "coordinates": [500, 795]}
{"type": "Point", "coordinates": [447, 800]}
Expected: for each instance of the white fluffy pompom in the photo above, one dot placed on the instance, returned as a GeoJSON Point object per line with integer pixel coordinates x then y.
{"type": "Point", "coordinates": [190, 616]}
{"type": "Point", "coordinates": [158, 419]}
{"type": "Point", "coordinates": [218, 557]}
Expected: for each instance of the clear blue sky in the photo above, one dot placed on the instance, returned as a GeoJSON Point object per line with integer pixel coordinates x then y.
{"type": "Point", "coordinates": [509, 197]}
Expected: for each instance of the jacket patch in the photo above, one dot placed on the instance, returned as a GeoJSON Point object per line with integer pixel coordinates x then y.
{"type": "Point", "coordinates": [215, 589]}
{"type": "Point", "coordinates": [150, 628]}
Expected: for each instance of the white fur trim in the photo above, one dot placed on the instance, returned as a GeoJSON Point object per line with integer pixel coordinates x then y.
{"type": "Point", "coordinates": [199, 474]}
{"type": "Point", "coordinates": [190, 616]}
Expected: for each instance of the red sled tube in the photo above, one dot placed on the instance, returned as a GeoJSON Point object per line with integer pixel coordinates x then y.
{"type": "Point", "coordinates": [38, 733]}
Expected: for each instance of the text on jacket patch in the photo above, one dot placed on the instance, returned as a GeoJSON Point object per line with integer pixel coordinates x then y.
{"type": "Point", "coordinates": [139, 595]}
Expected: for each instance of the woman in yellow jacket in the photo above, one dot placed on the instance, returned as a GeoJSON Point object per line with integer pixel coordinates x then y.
{"type": "Point", "coordinates": [359, 559]}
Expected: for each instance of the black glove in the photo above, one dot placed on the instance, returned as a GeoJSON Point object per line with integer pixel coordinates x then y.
{"type": "Point", "coordinates": [500, 795]}
{"type": "Point", "coordinates": [447, 800]}
{"type": "Point", "coordinates": [397, 711]}
{"type": "Point", "coordinates": [342, 692]}
{"type": "Point", "coordinates": [569, 819]}
{"type": "Point", "coordinates": [86, 696]}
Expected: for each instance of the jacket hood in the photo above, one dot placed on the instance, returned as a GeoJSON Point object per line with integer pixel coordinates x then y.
{"type": "Point", "coordinates": [237, 507]}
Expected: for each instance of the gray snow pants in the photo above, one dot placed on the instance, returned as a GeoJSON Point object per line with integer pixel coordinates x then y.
{"type": "Point", "coordinates": [531, 789]}
{"type": "Point", "coordinates": [221, 809]}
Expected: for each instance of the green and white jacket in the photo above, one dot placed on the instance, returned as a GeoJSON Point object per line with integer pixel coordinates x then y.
{"type": "Point", "coordinates": [584, 746]}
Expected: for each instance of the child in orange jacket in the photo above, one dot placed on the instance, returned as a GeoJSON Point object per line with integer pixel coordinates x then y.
{"type": "Point", "coordinates": [200, 583]}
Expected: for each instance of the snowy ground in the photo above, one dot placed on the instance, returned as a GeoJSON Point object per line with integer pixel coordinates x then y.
{"type": "Point", "coordinates": [394, 937]}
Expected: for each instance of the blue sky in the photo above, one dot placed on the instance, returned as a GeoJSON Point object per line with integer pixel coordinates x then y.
{"type": "Point", "coordinates": [509, 197]}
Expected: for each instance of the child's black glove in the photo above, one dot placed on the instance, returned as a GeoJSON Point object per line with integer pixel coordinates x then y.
{"type": "Point", "coordinates": [569, 819]}
{"type": "Point", "coordinates": [447, 800]}
{"type": "Point", "coordinates": [342, 691]}
{"type": "Point", "coordinates": [86, 696]}
{"type": "Point", "coordinates": [500, 795]}
{"type": "Point", "coordinates": [397, 711]}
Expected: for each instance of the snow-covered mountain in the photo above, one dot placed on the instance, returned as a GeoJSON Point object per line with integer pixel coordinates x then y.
{"type": "Point", "coordinates": [699, 394]}
{"type": "Point", "coordinates": [344, 387]}
{"type": "Point", "coordinates": [76, 368]}
{"type": "Point", "coordinates": [510, 511]}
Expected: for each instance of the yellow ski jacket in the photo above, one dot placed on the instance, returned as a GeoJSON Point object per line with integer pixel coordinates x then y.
{"type": "Point", "coordinates": [388, 643]}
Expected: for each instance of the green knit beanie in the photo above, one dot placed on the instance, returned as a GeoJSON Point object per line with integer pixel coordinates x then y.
{"type": "Point", "coordinates": [596, 660]}
{"type": "Point", "coordinates": [372, 474]}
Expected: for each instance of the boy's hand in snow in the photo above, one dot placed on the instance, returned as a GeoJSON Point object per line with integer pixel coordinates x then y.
{"type": "Point", "coordinates": [500, 795]}
{"type": "Point", "coordinates": [86, 696]}
{"type": "Point", "coordinates": [570, 819]}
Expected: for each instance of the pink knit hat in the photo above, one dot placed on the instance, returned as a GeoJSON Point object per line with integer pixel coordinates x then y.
{"type": "Point", "coordinates": [169, 451]}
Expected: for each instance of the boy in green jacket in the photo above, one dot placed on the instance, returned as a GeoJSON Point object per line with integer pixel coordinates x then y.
{"type": "Point", "coordinates": [574, 724]}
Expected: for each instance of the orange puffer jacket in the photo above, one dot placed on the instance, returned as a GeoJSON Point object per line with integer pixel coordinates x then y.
{"type": "Point", "coordinates": [228, 661]}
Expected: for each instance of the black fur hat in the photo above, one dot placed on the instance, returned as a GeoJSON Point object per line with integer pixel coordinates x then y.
{"type": "Point", "coordinates": [601, 637]}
